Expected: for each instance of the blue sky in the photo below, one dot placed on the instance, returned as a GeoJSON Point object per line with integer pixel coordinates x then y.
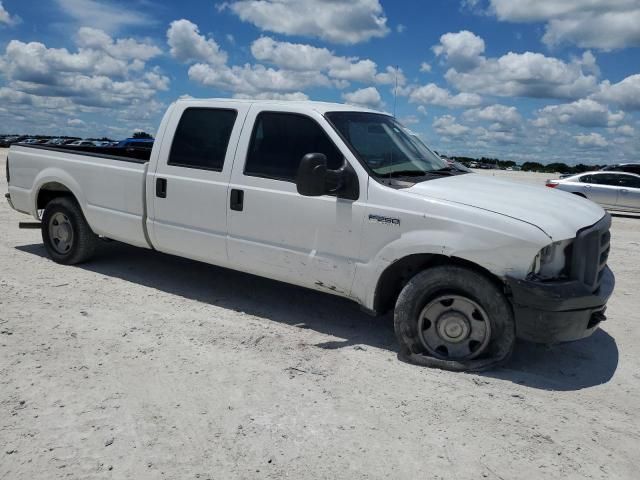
{"type": "Point", "coordinates": [543, 80]}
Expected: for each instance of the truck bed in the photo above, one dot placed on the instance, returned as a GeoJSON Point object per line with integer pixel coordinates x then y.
{"type": "Point", "coordinates": [109, 188]}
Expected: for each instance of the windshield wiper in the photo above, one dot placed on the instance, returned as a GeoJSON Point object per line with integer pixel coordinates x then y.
{"type": "Point", "coordinates": [444, 171]}
{"type": "Point", "coordinates": [404, 173]}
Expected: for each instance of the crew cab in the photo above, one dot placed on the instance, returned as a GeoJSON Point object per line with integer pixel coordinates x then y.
{"type": "Point", "coordinates": [342, 200]}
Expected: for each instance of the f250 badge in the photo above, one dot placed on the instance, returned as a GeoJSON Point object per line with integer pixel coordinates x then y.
{"type": "Point", "coordinates": [385, 220]}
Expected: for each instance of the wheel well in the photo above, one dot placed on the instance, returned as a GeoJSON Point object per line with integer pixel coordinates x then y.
{"type": "Point", "coordinates": [579, 194]}
{"type": "Point", "coordinates": [49, 191]}
{"type": "Point", "coordinates": [396, 276]}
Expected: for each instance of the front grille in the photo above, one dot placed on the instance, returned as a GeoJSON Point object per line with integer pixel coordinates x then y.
{"type": "Point", "coordinates": [590, 253]}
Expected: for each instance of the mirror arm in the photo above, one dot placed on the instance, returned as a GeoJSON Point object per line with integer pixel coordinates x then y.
{"type": "Point", "coordinates": [335, 179]}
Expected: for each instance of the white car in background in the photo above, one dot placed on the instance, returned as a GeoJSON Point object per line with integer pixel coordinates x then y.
{"type": "Point", "coordinates": [612, 190]}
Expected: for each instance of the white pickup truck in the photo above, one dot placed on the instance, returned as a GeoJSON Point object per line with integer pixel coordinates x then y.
{"type": "Point", "coordinates": [338, 199]}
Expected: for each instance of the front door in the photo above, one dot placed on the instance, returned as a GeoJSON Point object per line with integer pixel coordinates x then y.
{"type": "Point", "coordinates": [276, 232]}
{"type": "Point", "coordinates": [602, 188]}
{"type": "Point", "coordinates": [189, 187]}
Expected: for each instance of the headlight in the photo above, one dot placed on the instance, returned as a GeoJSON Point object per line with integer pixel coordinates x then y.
{"type": "Point", "coordinates": [550, 262]}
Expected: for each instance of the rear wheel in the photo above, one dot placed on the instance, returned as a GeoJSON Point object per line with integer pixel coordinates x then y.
{"type": "Point", "coordinates": [66, 233]}
{"type": "Point", "coordinates": [454, 318]}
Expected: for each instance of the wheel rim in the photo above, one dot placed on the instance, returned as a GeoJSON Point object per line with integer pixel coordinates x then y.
{"type": "Point", "coordinates": [61, 233]}
{"type": "Point", "coordinates": [453, 327]}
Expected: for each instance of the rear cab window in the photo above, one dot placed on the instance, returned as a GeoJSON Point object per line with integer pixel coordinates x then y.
{"type": "Point", "coordinates": [202, 138]}
{"type": "Point", "coordinates": [279, 141]}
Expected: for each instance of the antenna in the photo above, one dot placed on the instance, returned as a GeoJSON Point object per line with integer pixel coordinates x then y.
{"type": "Point", "coordinates": [395, 92]}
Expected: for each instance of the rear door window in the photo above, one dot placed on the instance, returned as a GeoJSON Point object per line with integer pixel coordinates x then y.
{"type": "Point", "coordinates": [629, 181]}
{"type": "Point", "coordinates": [280, 140]}
{"type": "Point", "coordinates": [202, 138]}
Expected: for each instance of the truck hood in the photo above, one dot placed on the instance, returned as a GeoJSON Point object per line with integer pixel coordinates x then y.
{"type": "Point", "coordinates": [558, 214]}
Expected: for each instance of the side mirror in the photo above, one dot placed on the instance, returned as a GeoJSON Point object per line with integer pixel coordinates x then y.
{"type": "Point", "coordinates": [315, 180]}
{"type": "Point", "coordinates": [312, 175]}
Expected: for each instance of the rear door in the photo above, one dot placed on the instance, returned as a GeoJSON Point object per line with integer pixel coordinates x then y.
{"type": "Point", "coordinates": [273, 230]}
{"type": "Point", "coordinates": [190, 184]}
{"type": "Point", "coordinates": [629, 196]}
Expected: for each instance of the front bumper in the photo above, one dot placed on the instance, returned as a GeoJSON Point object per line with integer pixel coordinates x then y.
{"type": "Point", "coordinates": [553, 312]}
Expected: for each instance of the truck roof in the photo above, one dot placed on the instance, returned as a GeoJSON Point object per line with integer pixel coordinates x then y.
{"type": "Point", "coordinates": [320, 107]}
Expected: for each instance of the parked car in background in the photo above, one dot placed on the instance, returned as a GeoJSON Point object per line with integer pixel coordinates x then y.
{"type": "Point", "coordinates": [612, 190]}
{"type": "Point", "coordinates": [61, 141]}
{"type": "Point", "coordinates": [450, 163]}
{"type": "Point", "coordinates": [8, 141]}
{"type": "Point", "coordinates": [623, 167]}
{"type": "Point", "coordinates": [101, 143]}
{"type": "Point", "coordinates": [81, 143]}
{"type": "Point", "coordinates": [136, 143]}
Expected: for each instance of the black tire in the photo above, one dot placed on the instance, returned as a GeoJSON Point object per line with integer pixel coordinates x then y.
{"type": "Point", "coordinates": [435, 283]}
{"type": "Point", "coordinates": [81, 239]}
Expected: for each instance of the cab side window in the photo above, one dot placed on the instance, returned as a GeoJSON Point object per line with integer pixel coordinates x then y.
{"type": "Point", "coordinates": [202, 138]}
{"type": "Point", "coordinates": [280, 140]}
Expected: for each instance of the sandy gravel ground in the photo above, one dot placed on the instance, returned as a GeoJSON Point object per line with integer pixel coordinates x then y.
{"type": "Point", "coordinates": [140, 365]}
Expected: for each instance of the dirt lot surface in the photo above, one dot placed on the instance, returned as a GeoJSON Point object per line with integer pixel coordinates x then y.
{"type": "Point", "coordinates": [140, 365]}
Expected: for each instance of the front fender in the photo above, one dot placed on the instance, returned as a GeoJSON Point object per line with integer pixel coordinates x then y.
{"type": "Point", "coordinates": [500, 253]}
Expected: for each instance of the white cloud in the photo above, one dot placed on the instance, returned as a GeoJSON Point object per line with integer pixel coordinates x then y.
{"type": "Point", "coordinates": [626, 130]}
{"type": "Point", "coordinates": [500, 114]}
{"type": "Point", "coordinates": [255, 79]}
{"type": "Point", "coordinates": [448, 127]}
{"type": "Point", "coordinates": [462, 51]}
{"type": "Point", "coordinates": [292, 56]}
{"type": "Point", "coordinates": [625, 94]}
{"type": "Point", "coordinates": [187, 45]}
{"type": "Point", "coordinates": [591, 140]}
{"type": "Point", "coordinates": [307, 58]}
{"type": "Point", "coordinates": [603, 24]}
{"type": "Point", "coordinates": [525, 74]}
{"type": "Point", "coordinates": [123, 49]}
{"type": "Point", "coordinates": [294, 96]}
{"type": "Point", "coordinates": [104, 14]}
{"type": "Point", "coordinates": [76, 122]}
{"type": "Point", "coordinates": [365, 97]}
{"type": "Point", "coordinates": [431, 94]}
{"type": "Point", "coordinates": [299, 66]}
{"type": "Point", "coordinates": [409, 120]}
{"type": "Point", "coordinates": [583, 112]}
{"type": "Point", "coordinates": [7, 19]}
{"type": "Point", "coordinates": [425, 67]}
{"type": "Point", "coordinates": [104, 72]}
{"type": "Point", "coordinates": [338, 21]}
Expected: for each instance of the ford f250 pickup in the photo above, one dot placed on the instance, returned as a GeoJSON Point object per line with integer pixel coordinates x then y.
{"type": "Point", "coordinates": [338, 199]}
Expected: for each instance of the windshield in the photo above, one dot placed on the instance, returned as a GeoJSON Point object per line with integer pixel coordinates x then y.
{"type": "Point", "coordinates": [384, 145]}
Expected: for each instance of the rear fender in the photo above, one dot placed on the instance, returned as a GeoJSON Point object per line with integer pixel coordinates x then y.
{"type": "Point", "coordinates": [51, 175]}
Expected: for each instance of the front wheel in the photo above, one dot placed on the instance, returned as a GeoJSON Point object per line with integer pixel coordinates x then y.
{"type": "Point", "coordinates": [66, 233]}
{"type": "Point", "coordinates": [454, 318]}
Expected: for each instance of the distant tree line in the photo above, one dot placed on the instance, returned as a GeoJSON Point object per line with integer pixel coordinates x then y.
{"type": "Point", "coordinates": [528, 166]}
{"type": "Point", "coordinates": [558, 167]}
{"type": "Point", "coordinates": [494, 162]}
